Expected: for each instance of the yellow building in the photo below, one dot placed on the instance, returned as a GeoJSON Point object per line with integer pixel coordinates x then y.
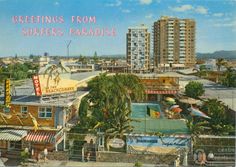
{"type": "Point", "coordinates": [160, 84]}
{"type": "Point", "coordinates": [40, 121]}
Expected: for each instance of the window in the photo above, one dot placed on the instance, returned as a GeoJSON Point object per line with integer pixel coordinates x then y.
{"type": "Point", "coordinates": [45, 112]}
{"type": "Point", "coordinates": [24, 110]}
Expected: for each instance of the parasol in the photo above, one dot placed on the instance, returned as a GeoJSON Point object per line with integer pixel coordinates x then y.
{"type": "Point", "coordinates": [189, 100]}
{"type": "Point", "coordinates": [177, 110]}
{"type": "Point", "coordinates": [174, 106]}
{"type": "Point", "coordinates": [171, 102]}
{"type": "Point", "coordinates": [170, 99]}
{"type": "Point", "coordinates": [197, 112]}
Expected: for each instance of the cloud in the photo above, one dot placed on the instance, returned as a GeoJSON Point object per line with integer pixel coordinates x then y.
{"type": "Point", "coordinates": [115, 4]}
{"type": "Point", "coordinates": [125, 11]}
{"type": "Point", "coordinates": [182, 8]}
{"type": "Point", "coordinates": [218, 14]}
{"type": "Point", "coordinates": [56, 3]}
{"type": "Point", "coordinates": [231, 24]}
{"type": "Point", "coordinates": [149, 16]}
{"type": "Point", "coordinates": [201, 10]}
{"type": "Point", "coordinates": [145, 2]}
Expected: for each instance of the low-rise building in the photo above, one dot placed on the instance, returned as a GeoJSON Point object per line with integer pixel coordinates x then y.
{"type": "Point", "coordinates": [80, 67]}
{"type": "Point", "coordinates": [40, 120]}
{"type": "Point", "coordinates": [157, 85]}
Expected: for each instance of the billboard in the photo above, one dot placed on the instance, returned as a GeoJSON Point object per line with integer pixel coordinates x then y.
{"type": "Point", "coordinates": [47, 85]}
{"type": "Point", "coordinates": [54, 79]}
{"type": "Point", "coordinates": [156, 144]}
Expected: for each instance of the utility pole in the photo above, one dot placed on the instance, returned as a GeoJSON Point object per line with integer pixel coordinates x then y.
{"type": "Point", "coordinates": [67, 46]}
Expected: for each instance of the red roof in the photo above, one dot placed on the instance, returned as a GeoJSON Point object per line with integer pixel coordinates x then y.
{"type": "Point", "coordinates": [40, 136]}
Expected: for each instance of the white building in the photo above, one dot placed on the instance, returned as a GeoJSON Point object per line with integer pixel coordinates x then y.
{"type": "Point", "coordinates": [138, 48]}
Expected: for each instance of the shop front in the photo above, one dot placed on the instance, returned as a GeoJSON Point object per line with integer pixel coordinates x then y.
{"type": "Point", "coordinates": [11, 140]}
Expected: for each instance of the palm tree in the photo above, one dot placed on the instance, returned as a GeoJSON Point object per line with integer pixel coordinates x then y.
{"type": "Point", "coordinates": [54, 70]}
{"type": "Point", "coordinates": [195, 129]}
{"type": "Point", "coordinates": [220, 122]}
{"type": "Point", "coordinates": [220, 62]}
{"type": "Point", "coordinates": [111, 97]}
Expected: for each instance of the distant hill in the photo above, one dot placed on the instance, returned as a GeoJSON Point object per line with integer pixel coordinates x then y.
{"type": "Point", "coordinates": [218, 54]}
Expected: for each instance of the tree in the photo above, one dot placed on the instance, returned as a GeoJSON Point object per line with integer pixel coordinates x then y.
{"type": "Point", "coordinates": [109, 102]}
{"type": "Point", "coordinates": [220, 122]}
{"type": "Point", "coordinates": [229, 77]}
{"type": "Point", "coordinates": [195, 127]}
{"type": "Point", "coordinates": [194, 89]}
{"type": "Point", "coordinates": [95, 57]}
{"type": "Point", "coordinates": [202, 71]}
{"type": "Point", "coordinates": [219, 63]}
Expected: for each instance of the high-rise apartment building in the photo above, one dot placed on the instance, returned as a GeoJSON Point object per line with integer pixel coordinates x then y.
{"type": "Point", "coordinates": [174, 42]}
{"type": "Point", "coordinates": [138, 48]}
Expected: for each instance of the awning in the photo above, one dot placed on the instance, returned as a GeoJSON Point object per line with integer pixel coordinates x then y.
{"type": "Point", "coordinates": [161, 91]}
{"type": "Point", "coordinates": [41, 136]}
{"type": "Point", "coordinates": [12, 134]}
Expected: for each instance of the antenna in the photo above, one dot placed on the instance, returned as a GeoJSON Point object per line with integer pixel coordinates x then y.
{"type": "Point", "coordinates": [67, 46]}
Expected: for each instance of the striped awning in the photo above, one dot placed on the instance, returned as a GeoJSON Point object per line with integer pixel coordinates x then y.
{"type": "Point", "coordinates": [40, 136]}
{"type": "Point", "coordinates": [12, 134]}
{"type": "Point", "coordinates": [161, 91]}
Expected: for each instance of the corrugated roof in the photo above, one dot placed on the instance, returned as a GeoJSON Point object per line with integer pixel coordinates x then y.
{"type": "Point", "coordinates": [12, 134]}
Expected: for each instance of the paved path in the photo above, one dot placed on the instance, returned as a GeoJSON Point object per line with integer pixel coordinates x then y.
{"type": "Point", "coordinates": [89, 164]}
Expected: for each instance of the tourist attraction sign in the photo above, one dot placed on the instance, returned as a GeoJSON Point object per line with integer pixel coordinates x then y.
{"type": "Point", "coordinates": [116, 143]}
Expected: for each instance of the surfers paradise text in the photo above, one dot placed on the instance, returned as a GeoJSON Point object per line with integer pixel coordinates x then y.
{"type": "Point", "coordinates": [52, 26]}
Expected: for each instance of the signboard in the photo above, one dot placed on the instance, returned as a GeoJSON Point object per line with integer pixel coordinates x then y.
{"type": "Point", "coordinates": [52, 80]}
{"type": "Point", "coordinates": [7, 93]}
{"type": "Point", "coordinates": [156, 144]}
{"type": "Point", "coordinates": [59, 136]}
{"type": "Point", "coordinates": [37, 87]}
{"type": "Point", "coordinates": [116, 143]}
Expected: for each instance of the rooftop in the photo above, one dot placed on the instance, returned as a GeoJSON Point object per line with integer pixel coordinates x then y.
{"type": "Point", "coordinates": [25, 92]}
{"type": "Point", "coordinates": [213, 90]}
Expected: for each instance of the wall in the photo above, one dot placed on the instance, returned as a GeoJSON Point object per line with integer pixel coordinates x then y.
{"type": "Point", "coordinates": [58, 155]}
{"type": "Point", "coordinates": [27, 121]}
{"type": "Point", "coordinates": [132, 158]}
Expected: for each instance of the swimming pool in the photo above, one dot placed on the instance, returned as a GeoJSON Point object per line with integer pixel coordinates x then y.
{"type": "Point", "coordinates": [143, 123]}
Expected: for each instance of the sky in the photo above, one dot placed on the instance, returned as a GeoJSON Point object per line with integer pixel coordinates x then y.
{"type": "Point", "coordinates": [215, 24]}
